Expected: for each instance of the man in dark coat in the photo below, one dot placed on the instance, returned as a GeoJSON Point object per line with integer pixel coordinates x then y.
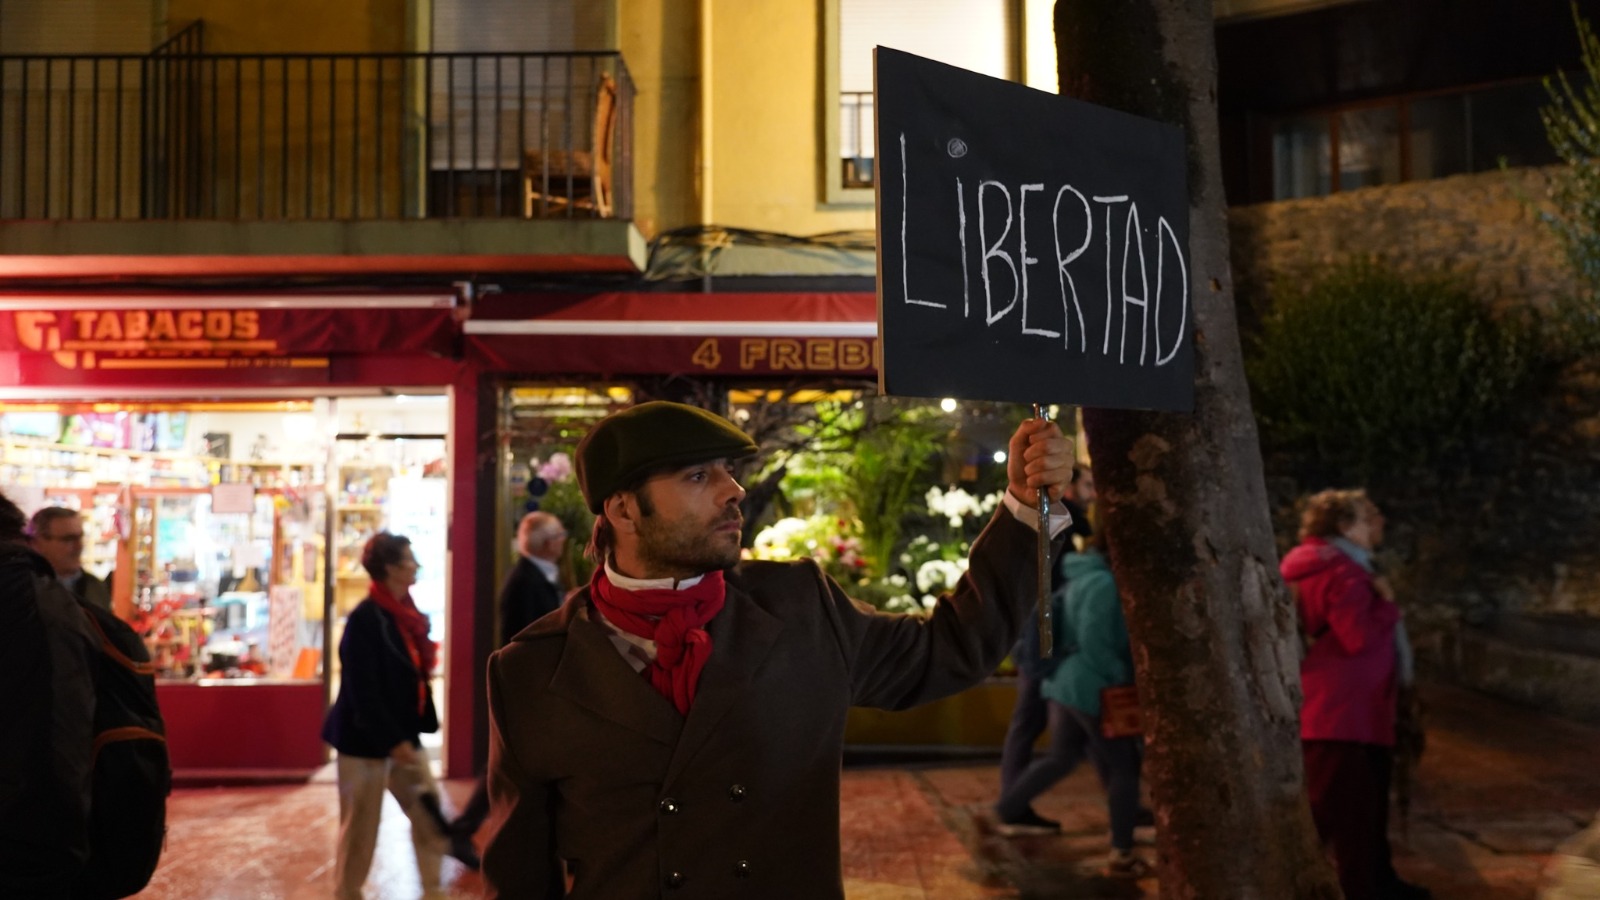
{"type": "Point", "coordinates": [534, 586]}
{"type": "Point", "coordinates": [677, 727]}
{"type": "Point", "coordinates": [46, 659]}
{"type": "Point", "coordinates": [532, 589]}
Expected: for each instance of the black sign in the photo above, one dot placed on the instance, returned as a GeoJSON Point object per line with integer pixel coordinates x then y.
{"type": "Point", "coordinates": [1031, 247]}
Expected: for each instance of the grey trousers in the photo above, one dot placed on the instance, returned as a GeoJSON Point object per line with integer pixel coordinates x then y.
{"type": "Point", "coordinates": [362, 782]}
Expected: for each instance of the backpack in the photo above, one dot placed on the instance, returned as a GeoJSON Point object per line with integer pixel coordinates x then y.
{"type": "Point", "coordinates": [131, 771]}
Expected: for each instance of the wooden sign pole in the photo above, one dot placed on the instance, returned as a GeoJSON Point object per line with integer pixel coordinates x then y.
{"type": "Point", "coordinates": [1046, 633]}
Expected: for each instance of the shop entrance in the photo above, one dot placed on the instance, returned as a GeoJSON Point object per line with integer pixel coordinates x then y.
{"type": "Point", "coordinates": [391, 473]}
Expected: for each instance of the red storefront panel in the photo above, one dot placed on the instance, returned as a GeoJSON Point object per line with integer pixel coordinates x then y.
{"type": "Point", "coordinates": [649, 333]}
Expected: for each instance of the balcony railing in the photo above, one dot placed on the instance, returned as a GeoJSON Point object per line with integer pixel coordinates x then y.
{"type": "Point", "coordinates": [179, 134]}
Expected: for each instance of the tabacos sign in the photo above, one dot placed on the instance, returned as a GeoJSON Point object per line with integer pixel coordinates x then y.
{"type": "Point", "coordinates": [85, 338]}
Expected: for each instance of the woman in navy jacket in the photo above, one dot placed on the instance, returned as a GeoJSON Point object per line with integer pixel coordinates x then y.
{"type": "Point", "coordinates": [384, 704]}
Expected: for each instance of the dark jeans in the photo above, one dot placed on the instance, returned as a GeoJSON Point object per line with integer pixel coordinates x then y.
{"type": "Point", "coordinates": [1075, 734]}
{"type": "Point", "coordinates": [1348, 783]}
{"type": "Point", "coordinates": [1028, 720]}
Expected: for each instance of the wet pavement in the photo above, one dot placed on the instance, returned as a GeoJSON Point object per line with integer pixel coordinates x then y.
{"type": "Point", "coordinates": [1497, 788]}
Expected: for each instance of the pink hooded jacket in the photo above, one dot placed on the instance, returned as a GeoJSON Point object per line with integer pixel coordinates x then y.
{"type": "Point", "coordinates": [1348, 675]}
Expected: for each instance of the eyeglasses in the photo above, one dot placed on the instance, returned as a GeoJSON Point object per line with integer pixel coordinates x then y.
{"type": "Point", "coordinates": [64, 538]}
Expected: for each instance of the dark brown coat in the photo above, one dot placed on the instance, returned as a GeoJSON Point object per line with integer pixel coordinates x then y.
{"type": "Point", "coordinates": [589, 765]}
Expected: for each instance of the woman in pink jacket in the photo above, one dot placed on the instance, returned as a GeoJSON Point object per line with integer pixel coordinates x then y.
{"type": "Point", "coordinates": [1350, 681]}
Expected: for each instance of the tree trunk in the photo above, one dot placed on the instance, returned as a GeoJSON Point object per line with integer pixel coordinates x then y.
{"type": "Point", "coordinates": [1183, 503]}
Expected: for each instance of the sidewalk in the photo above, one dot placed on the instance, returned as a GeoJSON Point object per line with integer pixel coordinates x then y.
{"type": "Point", "coordinates": [1497, 789]}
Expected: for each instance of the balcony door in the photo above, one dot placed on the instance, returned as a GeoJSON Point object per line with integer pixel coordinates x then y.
{"type": "Point", "coordinates": [488, 111]}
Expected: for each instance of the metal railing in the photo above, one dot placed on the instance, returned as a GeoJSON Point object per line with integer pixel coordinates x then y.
{"type": "Point", "coordinates": [181, 134]}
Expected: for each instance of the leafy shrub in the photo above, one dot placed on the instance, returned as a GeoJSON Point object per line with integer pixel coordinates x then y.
{"type": "Point", "coordinates": [1574, 216]}
{"type": "Point", "coordinates": [1372, 371]}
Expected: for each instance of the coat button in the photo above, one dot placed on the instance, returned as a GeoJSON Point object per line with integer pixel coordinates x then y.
{"type": "Point", "coordinates": [741, 869]}
{"type": "Point", "coordinates": [736, 793]}
{"type": "Point", "coordinates": [670, 807]}
{"type": "Point", "coordinates": [676, 880]}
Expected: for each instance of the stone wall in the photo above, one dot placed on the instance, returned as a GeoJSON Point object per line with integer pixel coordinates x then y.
{"type": "Point", "coordinates": [1516, 532]}
{"type": "Point", "coordinates": [1475, 225]}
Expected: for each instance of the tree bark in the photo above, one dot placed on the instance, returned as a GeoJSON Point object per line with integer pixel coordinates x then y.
{"type": "Point", "coordinates": [1184, 506]}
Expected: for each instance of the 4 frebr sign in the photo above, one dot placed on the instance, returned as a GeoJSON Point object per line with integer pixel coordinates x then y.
{"type": "Point", "coordinates": [1031, 247]}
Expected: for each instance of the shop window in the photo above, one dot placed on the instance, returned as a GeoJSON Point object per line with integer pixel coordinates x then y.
{"type": "Point", "coordinates": [1369, 147]}
{"type": "Point", "coordinates": [1438, 136]}
{"type": "Point", "coordinates": [1506, 126]}
{"type": "Point", "coordinates": [539, 429]}
{"type": "Point", "coordinates": [884, 493]}
{"type": "Point", "coordinates": [1301, 158]}
{"type": "Point", "coordinates": [979, 35]}
{"type": "Point", "coordinates": [207, 525]}
{"type": "Point", "coordinates": [1409, 139]}
{"type": "Point", "coordinates": [209, 520]}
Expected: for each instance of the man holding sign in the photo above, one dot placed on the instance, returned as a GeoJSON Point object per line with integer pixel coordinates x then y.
{"type": "Point", "coordinates": [679, 722]}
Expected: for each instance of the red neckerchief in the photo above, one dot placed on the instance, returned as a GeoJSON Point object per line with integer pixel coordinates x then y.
{"type": "Point", "coordinates": [675, 620]}
{"type": "Point", "coordinates": [414, 630]}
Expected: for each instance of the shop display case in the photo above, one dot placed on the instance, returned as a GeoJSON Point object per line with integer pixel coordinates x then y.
{"type": "Point", "coordinates": [222, 603]}
{"type": "Point", "coordinates": [186, 558]}
{"type": "Point", "coordinates": [362, 496]}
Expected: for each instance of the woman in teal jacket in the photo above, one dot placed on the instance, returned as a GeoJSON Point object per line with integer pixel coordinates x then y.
{"type": "Point", "coordinates": [1091, 639]}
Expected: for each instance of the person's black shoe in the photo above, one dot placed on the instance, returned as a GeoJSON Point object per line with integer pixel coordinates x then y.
{"type": "Point", "coordinates": [430, 803]}
{"type": "Point", "coordinates": [1029, 823]}
{"type": "Point", "coordinates": [462, 851]}
{"type": "Point", "coordinates": [1144, 818]}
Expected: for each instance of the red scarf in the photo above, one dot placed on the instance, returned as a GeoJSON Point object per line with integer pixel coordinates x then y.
{"type": "Point", "coordinates": [414, 630]}
{"type": "Point", "coordinates": [675, 620]}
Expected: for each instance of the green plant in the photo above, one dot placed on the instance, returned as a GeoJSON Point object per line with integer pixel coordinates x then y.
{"type": "Point", "coordinates": [1572, 125]}
{"type": "Point", "coordinates": [1373, 372]}
{"type": "Point", "coordinates": [892, 463]}
{"type": "Point", "coordinates": [564, 500]}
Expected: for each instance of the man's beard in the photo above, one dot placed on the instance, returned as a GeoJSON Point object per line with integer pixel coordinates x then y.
{"type": "Point", "coordinates": [677, 547]}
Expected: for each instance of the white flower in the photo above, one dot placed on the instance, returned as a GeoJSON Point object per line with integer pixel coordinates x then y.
{"type": "Point", "coordinates": [939, 574]}
{"type": "Point", "coordinates": [956, 504]}
{"type": "Point", "coordinates": [774, 541]}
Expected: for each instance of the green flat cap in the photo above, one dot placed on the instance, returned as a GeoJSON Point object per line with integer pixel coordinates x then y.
{"type": "Point", "coordinates": [652, 435]}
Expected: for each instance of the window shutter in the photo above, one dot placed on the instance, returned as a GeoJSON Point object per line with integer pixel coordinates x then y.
{"type": "Point", "coordinates": [980, 35]}
{"type": "Point", "coordinates": [506, 26]}
{"type": "Point", "coordinates": [77, 26]}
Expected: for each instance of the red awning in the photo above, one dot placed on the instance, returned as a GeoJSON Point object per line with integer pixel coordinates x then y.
{"type": "Point", "coordinates": [664, 334]}
{"type": "Point", "coordinates": [60, 339]}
